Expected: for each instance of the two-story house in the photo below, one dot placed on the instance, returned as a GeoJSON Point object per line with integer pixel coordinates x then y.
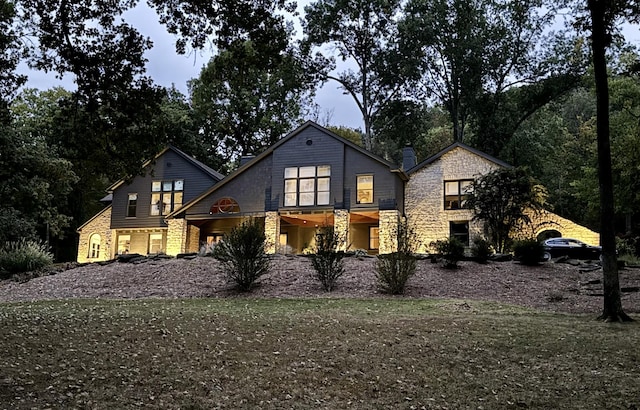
{"type": "Point", "coordinates": [311, 177]}
{"type": "Point", "coordinates": [135, 222]}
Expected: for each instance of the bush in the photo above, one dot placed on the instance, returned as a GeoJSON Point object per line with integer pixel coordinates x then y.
{"type": "Point", "coordinates": [242, 251]}
{"type": "Point", "coordinates": [451, 250]}
{"type": "Point", "coordinates": [327, 261]}
{"type": "Point", "coordinates": [23, 256]}
{"type": "Point", "coordinates": [393, 270]}
{"type": "Point", "coordinates": [528, 251]}
{"type": "Point", "coordinates": [626, 246]}
{"type": "Point", "coordinates": [481, 250]}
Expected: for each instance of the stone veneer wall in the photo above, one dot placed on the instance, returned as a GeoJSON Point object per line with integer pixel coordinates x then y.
{"type": "Point", "coordinates": [271, 231]}
{"type": "Point", "coordinates": [424, 196]}
{"type": "Point", "coordinates": [388, 225]}
{"type": "Point", "coordinates": [341, 227]}
{"type": "Point", "coordinates": [101, 224]}
{"type": "Point", "coordinates": [546, 221]}
{"type": "Point", "coordinates": [193, 238]}
{"type": "Point", "coordinates": [176, 236]}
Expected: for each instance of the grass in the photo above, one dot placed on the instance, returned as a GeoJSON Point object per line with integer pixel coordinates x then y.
{"type": "Point", "coordinates": [269, 353]}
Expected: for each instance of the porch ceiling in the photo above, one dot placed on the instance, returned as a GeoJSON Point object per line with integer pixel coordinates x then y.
{"type": "Point", "coordinates": [308, 220]}
{"type": "Point", "coordinates": [364, 217]}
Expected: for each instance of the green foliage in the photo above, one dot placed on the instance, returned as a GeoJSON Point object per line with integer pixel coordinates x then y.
{"type": "Point", "coordinates": [23, 256]}
{"type": "Point", "coordinates": [245, 100]}
{"type": "Point", "coordinates": [626, 246]}
{"type": "Point", "coordinates": [393, 270]}
{"type": "Point", "coordinates": [528, 251]}
{"type": "Point", "coordinates": [451, 250]}
{"type": "Point", "coordinates": [481, 250]}
{"type": "Point", "coordinates": [242, 252]}
{"type": "Point", "coordinates": [501, 199]}
{"type": "Point", "coordinates": [327, 261]}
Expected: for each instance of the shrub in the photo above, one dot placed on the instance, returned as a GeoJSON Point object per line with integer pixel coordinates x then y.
{"type": "Point", "coordinates": [626, 246]}
{"type": "Point", "coordinates": [327, 261]}
{"type": "Point", "coordinates": [242, 251]}
{"type": "Point", "coordinates": [528, 251]}
{"type": "Point", "coordinates": [481, 250]}
{"type": "Point", "coordinates": [23, 256]}
{"type": "Point", "coordinates": [451, 250]}
{"type": "Point", "coordinates": [393, 270]}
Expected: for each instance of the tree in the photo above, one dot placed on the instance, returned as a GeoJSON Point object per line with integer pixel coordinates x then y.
{"type": "Point", "coordinates": [604, 16]}
{"type": "Point", "coordinates": [361, 32]}
{"type": "Point", "coordinates": [245, 99]}
{"type": "Point", "coordinates": [501, 199]}
{"type": "Point", "coordinates": [471, 52]}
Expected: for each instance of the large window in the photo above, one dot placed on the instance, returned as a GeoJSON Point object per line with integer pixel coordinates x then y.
{"type": "Point", "coordinates": [166, 196]}
{"type": "Point", "coordinates": [365, 189]}
{"type": "Point", "coordinates": [456, 193]}
{"type": "Point", "coordinates": [374, 237]}
{"type": "Point", "coordinates": [155, 243]}
{"type": "Point", "coordinates": [124, 244]}
{"type": "Point", "coordinates": [132, 204]}
{"type": "Point", "coordinates": [307, 186]}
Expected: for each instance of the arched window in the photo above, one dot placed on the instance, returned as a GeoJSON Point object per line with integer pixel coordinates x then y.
{"type": "Point", "coordinates": [225, 206]}
{"type": "Point", "coordinates": [94, 246]}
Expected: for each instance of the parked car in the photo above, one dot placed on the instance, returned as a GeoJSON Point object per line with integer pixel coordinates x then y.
{"type": "Point", "coordinates": [573, 248]}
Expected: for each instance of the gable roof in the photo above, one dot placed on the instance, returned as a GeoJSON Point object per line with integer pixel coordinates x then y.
{"type": "Point", "coordinates": [207, 170]}
{"type": "Point", "coordinates": [450, 148]}
{"type": "Point", "coordinates": [105, 209]}
{"type": "Point", "coordinates": [392, 167]}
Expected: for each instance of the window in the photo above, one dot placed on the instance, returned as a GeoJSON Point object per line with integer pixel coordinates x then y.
{"type": "Point", "coordinates": [132, 205]}
{"type": "Point", "coordinates": [166, 196]}
{"type": "Point", "coordinates": [456, 193]}
{"type": "Point", "coordinates": [307, 186]}
{"type": "Point", "coordinates": [94, 246]}
{"type": "Point", "coordinates": [365, 189]}
{"type": "Point", "coordinates": [124, 244]}
{"type": "Point", "coordinates": [214, 238]}
{"type": "Point", "coordinates": [460, 231]}
{"type": "Point", "coordinates": [374, 237]}
{"type": "Point", "coordinates": [155, 243]}
{"type": "Point", "coordinates": [225, 206]}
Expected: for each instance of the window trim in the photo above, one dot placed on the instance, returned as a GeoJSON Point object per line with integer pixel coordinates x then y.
{"type": "Point", "coordinates": [165, 202]}
{"type": "Point", "coordinates": [132, 205]}
{"type": "Point", "coordinates": [294, 179]}
{"type": "Point", "coordinates": [461, 196]}
{"type": "Point", "coordinates": [371, 237]}
{"type": "Point", "coordinates": [358, 201]}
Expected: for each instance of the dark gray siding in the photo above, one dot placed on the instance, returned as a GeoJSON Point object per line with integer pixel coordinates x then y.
{"type": "Point", "coordinates": [385, 183]}
{"type": "Point", "coordinates": [247, 188]}
{"type": "Point", "coordinates": [310, 147]}
{"type": "Point", "coordinates": [169, 166]}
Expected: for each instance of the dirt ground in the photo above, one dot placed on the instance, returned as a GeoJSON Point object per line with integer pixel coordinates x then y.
{"type": "Point", "coordinates": [556, 287]}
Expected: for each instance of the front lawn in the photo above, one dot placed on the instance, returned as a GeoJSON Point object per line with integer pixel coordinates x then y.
{"type": "Point", "coordinates": [311, 353]}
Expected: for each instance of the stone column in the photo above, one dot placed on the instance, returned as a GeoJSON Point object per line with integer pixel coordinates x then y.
{"type": "Point", "coordinates": [272, 231]}
{"type": "Point", "coordinates": [194, 239]}
{"type": "Point", "coordinates": [341, 227]}
{"type": "Point", "coordinates": [388, 227]}
{"type": "Point", "coordinates": [176, 236]}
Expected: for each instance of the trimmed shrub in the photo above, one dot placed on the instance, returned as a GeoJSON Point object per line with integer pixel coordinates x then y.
{"type": "Point", "coordinates": [327, 261]}
{"type": "Point", "coordinates": [393, 270]}
{"type": "Point", "coordinates": [23, 256]}
{"type": "Point", "coordinates": [528, 251]}
{"type": "Point", "coordinates": [481, 250]}
{"type": "Point", "coordinates": [450, 250]}
{"type": "Point", "coordinates": [242, 251]}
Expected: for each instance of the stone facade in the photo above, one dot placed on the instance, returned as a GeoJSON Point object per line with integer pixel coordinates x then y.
{"type": "Point", "coordinates": [272, 231]}
{"type": "Point", "coordinates": [99, 225]}
{"type": "Point", "coordinates": [341, 227]}
{"type": "Point", "coordinates": [177, 236]}
{"type": "Point", "coordinates": [194, 239]}
{"type": "Point", "coordinates": [424, 196]}
{"type": "Point", "coordinates": [547, 221]}
{"type": "Point", "coordinates": [388, 226]}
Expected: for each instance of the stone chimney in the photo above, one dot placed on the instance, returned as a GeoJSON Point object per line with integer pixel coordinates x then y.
{"type": "Point", "coordinates": [408, 158]}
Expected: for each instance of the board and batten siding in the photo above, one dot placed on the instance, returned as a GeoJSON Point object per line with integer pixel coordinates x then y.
{"type": "Point", "coordinates": [169, 166]}
{"type": "Point", "coordinates": [247, 189]}
{"type": "Point", "coordinates": [311, 147]}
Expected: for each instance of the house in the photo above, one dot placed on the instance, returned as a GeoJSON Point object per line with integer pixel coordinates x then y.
{"type": "Point", "coordinates": [310, 178]}
{"type": "Point", "coordinates": [134, 222]}
{"type": "Point", "coordinates": [435, 197]}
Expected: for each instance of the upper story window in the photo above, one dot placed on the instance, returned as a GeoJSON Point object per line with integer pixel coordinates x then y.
{"type": "Point", "coordinates": [132, 205]}
{"type": "Point", "coordinates": [456, 193]}
{"type": "Point", "coordinates": [364, 187]}
{"type": "Point", "coordinates": [307, 186]}
{"type": "Point", "coordinates": [166, 196]}
{"type": "Point", "coordinates": [225, 206]}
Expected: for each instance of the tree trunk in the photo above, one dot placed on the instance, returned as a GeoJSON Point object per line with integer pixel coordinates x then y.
{"type": "Point", "coordinates": [612, 309]}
